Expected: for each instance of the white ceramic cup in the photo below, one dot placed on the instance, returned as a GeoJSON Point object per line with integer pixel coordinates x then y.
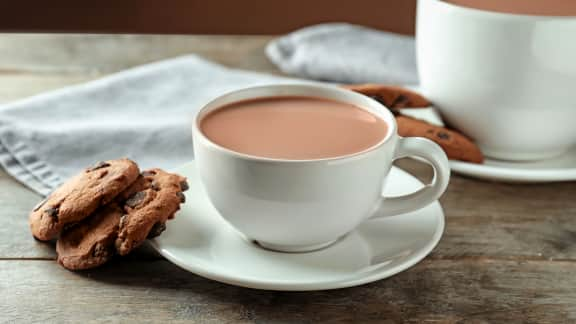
{"type": "Point", "coordinates": [507, 80]}
{"type": "Point", "coordinates": [303, 205]}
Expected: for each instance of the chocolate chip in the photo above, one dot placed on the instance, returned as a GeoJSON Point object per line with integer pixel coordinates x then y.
{"type": "Point", "coordinates": [155, 186]}
{"type": "Point", "coordinates": [103, 174]}
{"type": "Point", "coordinates": [100, 250]}
{"type": "Point", "coordinates": [157, 229]}
{"type": "Point", "coordinates": [443, 135]}
{"type": "Point", "coordinates": [378, 98]}
{"type": "Point", "coordinates": [184, 185]}
{"type": "Point", "coordinates": [148, 173]}
{"type": "Point", "coordinates": [400, 102]}
{"type": "Point", "coordinates": [39, 205]}
{"type": "Point", "coordinates": [181, 196]}
{"type": "Point", "coordinates": [52, 212]}
{"type": "Point", "coordinates": [136, 199]}
{"type": "Point", "coordinates": [99, 165]}
{"type": "Point", "coordinates": [69, 226]}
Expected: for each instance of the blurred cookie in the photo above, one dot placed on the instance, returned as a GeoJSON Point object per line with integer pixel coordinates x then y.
{"type": "Point", "coordinates": [392, 97]}
{"type": "Point", "coordinates": [91, 242]}
{"type": "Point", "coordinates": [153, 199]}
{"type": "Point", "coordinates": [456, 145]}
{"type": "Point", "coordinates": [80, 196]}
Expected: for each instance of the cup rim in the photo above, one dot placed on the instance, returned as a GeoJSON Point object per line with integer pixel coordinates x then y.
{"type": "Point", "coordinates": [360, 101]}
{"type": "Point", "coordinates": [496, 14]}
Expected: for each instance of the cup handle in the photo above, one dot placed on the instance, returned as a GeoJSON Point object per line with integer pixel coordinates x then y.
{"type": "Point", "coordinates": [433, 154]}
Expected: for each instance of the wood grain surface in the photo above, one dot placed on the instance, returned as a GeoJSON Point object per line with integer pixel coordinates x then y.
{"type": "Point", "coordinates": [434, 291]}
{"type": "Point", "coordinates": [508, 253]}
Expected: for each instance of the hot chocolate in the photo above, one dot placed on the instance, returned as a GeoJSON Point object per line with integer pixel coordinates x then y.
{"type": "Point", "coordinates": [295, 128]}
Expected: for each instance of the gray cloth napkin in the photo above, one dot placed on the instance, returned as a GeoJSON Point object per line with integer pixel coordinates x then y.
{"type": "Point", "coordinates": [144, 113]}
{"type": "Point", "coordinates": [346, 53]}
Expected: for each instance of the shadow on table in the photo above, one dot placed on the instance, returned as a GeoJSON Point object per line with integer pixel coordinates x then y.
{"type": "Point", "coordinates": [192, 296]}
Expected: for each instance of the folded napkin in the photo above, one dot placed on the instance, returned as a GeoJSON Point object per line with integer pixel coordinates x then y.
{"type": "Point", "coordinates": [346, 53]}
{"type": "Point", "coordinates": [144, 113]}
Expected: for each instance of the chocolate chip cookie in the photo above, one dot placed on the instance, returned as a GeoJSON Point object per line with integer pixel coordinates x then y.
{"type": "Point", "coordinates": [153, 199]}
{"type": "Point", "coordinates": [91, 242]}
{"type": "Point", "coordinates": [392, 97]}
{"type": "Point", "coordinates": [80, 196]}
{"type": "Point", "coordinates": [456, 145]}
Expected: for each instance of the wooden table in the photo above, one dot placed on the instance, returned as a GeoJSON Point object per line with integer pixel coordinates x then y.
{"type": "Point", "coordinates": [508, 254]}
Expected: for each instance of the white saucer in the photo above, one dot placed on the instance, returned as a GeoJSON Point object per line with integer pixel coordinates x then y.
{"type": "Point", "coordinates": [200, 241]}
{"type": "Point", "coordinates": [561, 168]}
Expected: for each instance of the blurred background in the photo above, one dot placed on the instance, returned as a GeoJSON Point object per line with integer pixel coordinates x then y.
{"type": "Point", "coordinates": [201, 16]}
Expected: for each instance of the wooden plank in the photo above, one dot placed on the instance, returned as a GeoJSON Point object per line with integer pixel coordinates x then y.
{"type": "Point", "coordinates": [509, 219]}
{"type": "Point", "coordinates": [32, 63]}
{"type": "Point", "coordinates": [94, 55]}
{"type": "Point", "coordinates": [437, 291]}
{"type": "Point", "coordinates": [505, 220]}
{"type": "Point", "coordinates": [21, 85]}
{"type": "Point", "coordinates": [15, 238]}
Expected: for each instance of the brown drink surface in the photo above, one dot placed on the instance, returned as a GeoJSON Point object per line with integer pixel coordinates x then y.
{"type": "Point", "coordinates": [525, 7]}
{"type": "Point", "coordinates": [295, 128]}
